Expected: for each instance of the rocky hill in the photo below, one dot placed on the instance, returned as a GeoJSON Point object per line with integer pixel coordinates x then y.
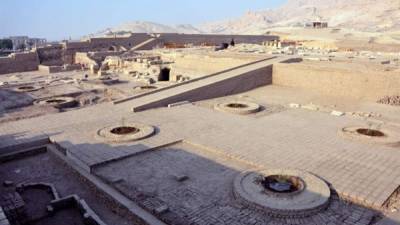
{"type": "Point", "coordinates": [147, 27]}
{"type": "Point", "coordinates": [358, 15]}
{"type": "Point", "coordinates": [361, 15]}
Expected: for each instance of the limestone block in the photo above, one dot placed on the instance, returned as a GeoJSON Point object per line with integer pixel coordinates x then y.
{"type": "Point", "coordinates": [337, 113]}
{"type": "Point", "coordinates": [294, 105]}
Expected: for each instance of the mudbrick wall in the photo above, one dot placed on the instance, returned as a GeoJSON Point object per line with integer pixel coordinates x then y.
{"type": "Point", "coordinates": [51, 55]}
{"type": "Point", "coordinates": [356, 83]}
{"type": "Point", "coordinates": [19, 62]}
{"type": "Point", "coordinates": [198, 39]}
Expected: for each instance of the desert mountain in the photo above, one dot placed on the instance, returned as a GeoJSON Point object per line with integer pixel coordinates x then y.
{"type": "Point", "coordinates": [147, 27]}
{"type": "Point", "coordinates": [359, 15]}
{"type": "Point", "coordinates": [362, 15]}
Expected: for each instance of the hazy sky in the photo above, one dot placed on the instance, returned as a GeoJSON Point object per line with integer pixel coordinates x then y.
{"type": "Point", "coordinates": [59, 19]}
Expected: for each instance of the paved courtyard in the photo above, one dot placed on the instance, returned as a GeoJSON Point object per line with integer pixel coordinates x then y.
{"type": "Point", "coordinates": [281, 137]}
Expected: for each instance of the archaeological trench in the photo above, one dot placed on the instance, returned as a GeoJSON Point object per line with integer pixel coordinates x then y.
{"type": "Point", "coordinates": [157, 129]}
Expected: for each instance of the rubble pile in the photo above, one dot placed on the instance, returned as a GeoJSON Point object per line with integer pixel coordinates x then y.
{"type": "Point", "coordinates": [390, 100]}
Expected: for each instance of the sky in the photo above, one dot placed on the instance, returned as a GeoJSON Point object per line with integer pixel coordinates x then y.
{"type": "Point", "coordinates": [62, 19]}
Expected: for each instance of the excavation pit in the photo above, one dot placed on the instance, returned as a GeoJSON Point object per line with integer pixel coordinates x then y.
{"type": "Point", "coordinates": [55, 101]}
{"type": "Point", "coordinates": [58, 102]}
{"type": "Point", "coordinates": [283, 184]}
{"type": "Point", "coordinates": [238, 107]}
{"type": "Point", "coordinates": [124, 130]}
{"type": "Point", "coordinates": [387, 136]}
{"type": "Point", "coordinates": [370, 132]}
{"type": "Point", "coordinates": [282, 193]}
{"type": "Point", "coordinates": [126, 133]}
{"type": "Point", "coordinates": [24, 88]}
{"type": "Point", "coordinates": [27, 88]}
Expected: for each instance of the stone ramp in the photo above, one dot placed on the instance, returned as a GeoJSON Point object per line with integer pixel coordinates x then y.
{"type": "Point", "coordinates": [233, 81]}
{"type": "Point", "coordinates": [146, 45]}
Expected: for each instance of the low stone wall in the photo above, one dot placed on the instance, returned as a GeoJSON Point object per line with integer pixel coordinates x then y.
{"type": "Point", "coordinates": [58, 69]}
{"type": "Point", "coordinates": [19, 62]}
{"type": "Point", "coordinates": [365, 84]}
{"type": "Point", "coordinates": [50, 69]}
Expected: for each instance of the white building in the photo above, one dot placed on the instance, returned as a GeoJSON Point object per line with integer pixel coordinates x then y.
{"type": "Point", "coordinates": [28, 43]}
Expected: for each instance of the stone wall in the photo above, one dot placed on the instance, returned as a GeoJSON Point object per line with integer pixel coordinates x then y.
{"type": "Point", "coordinates": [84, 59]}
{"type": "Point", "coordinates": [51, 55]}
{"type": "Point", "coordinates": [360, 83]}
{"type": "Point", "coordinates": [108, 43]}
{"type": "Point", "coordinates": [92, 58]}
{"type": "Point", "coordinates": [199, 65]}
{"type": "Point", "coordinates": [50, 69]}
{"type": "Point", "coordinates": [19, 62]}
{"type": "Point", "coordinates": [58, 69]}
{"type": "Point", "coordinates": [233, 85]}
{"type": "Point", "coordinates": [59, 54]}
{"type": "Point", "coordinates": [214, 39]}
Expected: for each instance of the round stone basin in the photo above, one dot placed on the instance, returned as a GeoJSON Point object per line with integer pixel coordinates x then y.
{"type": "Point", "coordinates": [282, 193]}
{"type": "Point", "coordinates": [238, 107]}
{"type": "Point", "coordinates": [388, 135]}
{"type": "Point", "coordinates": [370, 132]}
{"type": "Point", "coordinates": [124, 130]}
{"type": "Point", "coordinates": [283, 184]}
{"type": "Point", "coordinates": [126, 133]}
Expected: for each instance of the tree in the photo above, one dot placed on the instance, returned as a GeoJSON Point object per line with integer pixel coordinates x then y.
{"type": "Point", "coordinates": [6, 44]}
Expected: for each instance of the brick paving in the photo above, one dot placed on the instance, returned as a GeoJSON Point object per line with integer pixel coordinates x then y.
{"type": "Point", "coordinates": [292, 138]}
{"type": "Point", "coordinates": [205, 197]}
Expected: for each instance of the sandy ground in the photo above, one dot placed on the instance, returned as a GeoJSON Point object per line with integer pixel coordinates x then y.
{"type": "Point", "coordinates": [343, 38]}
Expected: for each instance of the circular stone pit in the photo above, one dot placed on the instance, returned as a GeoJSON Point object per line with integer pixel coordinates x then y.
{"type": "Point", "coordinates": [282, 193]}
{"type": "Point", "coordinates": [58, 102]}
{"type": "Point", "coordinates": [282, 184]}
{"type": "Point", "coordinates": [381, 136]}
{"type": "Point", "coordinates": [27, 88]}
{"type": "Point", "coordinates": [238, 107]}
{"type": "Point", "coordinates": [126, 133]}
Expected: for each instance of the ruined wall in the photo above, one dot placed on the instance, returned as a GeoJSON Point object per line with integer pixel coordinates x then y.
{"type": "Point", "coordinates": [102, 44]}
{"type": "Point", "coordinates": [71, 48]}
{"type": "Point", "coordinates": [51, 55]}
{"type": "Point", "coordinates": [64, 53]}
{"type": "Point", "coordinates": [84, 59]}
{"type": "Point", "coordinates": [50, 69]}
{"type": "Point", "coordinates": [361, 83]}
{"type": "Point", "coordinates": [198, 39]}
{"type": "Point", "coordinates": [19, 62]}
{"type": "Point", "coordinates": [92, 58]}
{"type": "Point", "coordinates": [58, 69]}
{"type": "Point", "coordinates": [200, 65]}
